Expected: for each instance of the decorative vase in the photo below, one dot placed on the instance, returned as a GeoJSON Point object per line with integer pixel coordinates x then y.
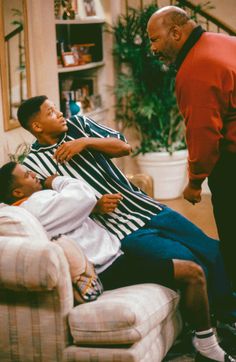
{"type": "Point", "coordinates": [74, 107]}
{"type": "Point", "coordinates": [169, 172]}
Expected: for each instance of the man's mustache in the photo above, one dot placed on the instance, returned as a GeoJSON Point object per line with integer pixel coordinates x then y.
{"type": "Point", "coordinates": [157, 54]}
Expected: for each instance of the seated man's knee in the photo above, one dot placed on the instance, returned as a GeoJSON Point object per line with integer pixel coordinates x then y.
{"type": "Point", "coordinates": [187, 271]}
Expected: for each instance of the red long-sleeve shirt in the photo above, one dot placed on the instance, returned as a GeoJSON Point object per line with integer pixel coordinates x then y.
{"type": "Point", "coordinates": [206, 94]}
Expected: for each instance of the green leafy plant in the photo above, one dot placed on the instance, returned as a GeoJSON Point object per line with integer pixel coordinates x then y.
{"type": "Point", "coordinates": [17, 14]}
{"type": "Point", "coordinates": [144, 89]}
{"type": "Point", "coordinates": [20, 153]}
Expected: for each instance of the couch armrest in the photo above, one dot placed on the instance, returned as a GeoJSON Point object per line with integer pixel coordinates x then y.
{"type": "Point", "coordinates": [29, 266]}
{"type": "Point", "coordinates": [28, 260]}
{"type": "Point", "coordinates": [144, 182]}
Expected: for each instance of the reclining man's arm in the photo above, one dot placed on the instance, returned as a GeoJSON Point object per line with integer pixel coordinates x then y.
{"type": "Point", "coordinates": [67, 206]}
{"type": "Point", "coordinates": [64, 208]}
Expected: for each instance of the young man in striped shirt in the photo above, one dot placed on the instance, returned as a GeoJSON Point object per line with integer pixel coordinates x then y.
{"type": "Point", "coordinates": [148, 231]}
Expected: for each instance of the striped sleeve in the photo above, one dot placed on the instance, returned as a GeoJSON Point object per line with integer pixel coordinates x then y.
{"type": "Point", "coordinates": [93, 129]}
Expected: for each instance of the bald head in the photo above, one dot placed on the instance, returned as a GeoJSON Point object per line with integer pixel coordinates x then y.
{"type": "Point", "coordinates": [170, 15]}
{"type": "Point", "coordinates": [168, 29]}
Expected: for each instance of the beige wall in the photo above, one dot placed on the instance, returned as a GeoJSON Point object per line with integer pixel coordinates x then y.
{"type": "Point", "coordinates": [223, 10]}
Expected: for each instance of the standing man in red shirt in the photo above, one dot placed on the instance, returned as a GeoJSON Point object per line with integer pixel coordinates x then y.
{"type": "Point", "coordinates": [206, 94]}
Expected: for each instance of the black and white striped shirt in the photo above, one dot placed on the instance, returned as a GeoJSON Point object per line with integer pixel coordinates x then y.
{"type": "Point", "coordinates": [135, 209]}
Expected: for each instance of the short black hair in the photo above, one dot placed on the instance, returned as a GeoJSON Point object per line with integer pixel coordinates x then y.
{"type": "Point", "coordinates": [7, 182]}
{"type": "Point", "coordinates": [28, 109]}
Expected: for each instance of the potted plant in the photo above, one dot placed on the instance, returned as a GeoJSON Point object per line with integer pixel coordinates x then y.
{"type": "Point", "coordinates": [146, 101]}
{"type": "Point", "coordinates": [20, 153]}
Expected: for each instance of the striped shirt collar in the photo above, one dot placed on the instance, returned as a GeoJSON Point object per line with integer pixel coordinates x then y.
{"type": "Point", "coordinates": [37, 146]}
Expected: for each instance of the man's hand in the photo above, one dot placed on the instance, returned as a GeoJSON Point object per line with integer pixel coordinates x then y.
{"type": "Point", "coordinates": [47, 183]}
{"type": "Point", "coordinates": [192, 193]}
{"type": "Point", "coordinates": [107, 203]}
{"type": "Point", "coordinates": [111, 147]}
{"type": "Point", "coordinates": [68, 149]}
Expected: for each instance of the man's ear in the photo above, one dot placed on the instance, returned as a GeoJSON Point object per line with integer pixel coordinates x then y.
{"type": "Point", "coordinates": [36, 127]}
{"type": "Point", "coordinates": [176, 32]}
{"type": "Point", "coordinates": [18, 193]}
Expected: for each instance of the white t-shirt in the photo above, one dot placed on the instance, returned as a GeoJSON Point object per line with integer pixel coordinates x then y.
{"type": "Point", "coordinates": [65, 210]}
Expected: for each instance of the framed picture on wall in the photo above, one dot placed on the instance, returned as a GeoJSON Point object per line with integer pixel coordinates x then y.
{"type": "Point", "coordinates": [69, 59]}
{"type": "Point", "coordinates": [89, 8]}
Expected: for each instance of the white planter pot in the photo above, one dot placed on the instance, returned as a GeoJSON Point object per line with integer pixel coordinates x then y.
{"type": "Point", "coordinates": [169, 172]}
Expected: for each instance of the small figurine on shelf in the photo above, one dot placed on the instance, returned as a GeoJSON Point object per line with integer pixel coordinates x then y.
{"type": "Point", "coordinates": [86, 99]}
{"type": "Point", "coordinates": [63, 9]}
{"type": "Point", "coordinates": [65, 105]}
{"type": "Point", "coordinates": [74, 107]}
{"type": "Point", "coordinates": [69, 12]}
{"type": "Point", "coordinates": [84, 51]}
{"type": "Point", "coordinates": [71, 107]}
{"type": "Point", "coordinates": [79, 99]}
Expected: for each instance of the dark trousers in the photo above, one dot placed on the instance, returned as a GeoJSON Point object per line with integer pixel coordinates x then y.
{"type": "Point", "coordinates": [222, 183]}
{"type": "Point", "coordinates": [168, 236]}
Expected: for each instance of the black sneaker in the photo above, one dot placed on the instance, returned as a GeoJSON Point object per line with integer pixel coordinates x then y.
{"type": "Point", "coordinates": [200, 358]}
{"type": "Point", "coordinates": [227, 333]}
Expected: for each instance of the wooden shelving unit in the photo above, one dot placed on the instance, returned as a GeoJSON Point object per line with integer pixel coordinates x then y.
{"type": "Point", "coordinates": [68, 34]}
{"type": "Point", "coordinates": [77, 68]}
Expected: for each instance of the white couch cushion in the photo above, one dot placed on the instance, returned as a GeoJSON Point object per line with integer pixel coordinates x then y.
{"type": "Point", "coordinates": [122, 316]}
{"type": "Point", "coordinates": [152, 348]}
